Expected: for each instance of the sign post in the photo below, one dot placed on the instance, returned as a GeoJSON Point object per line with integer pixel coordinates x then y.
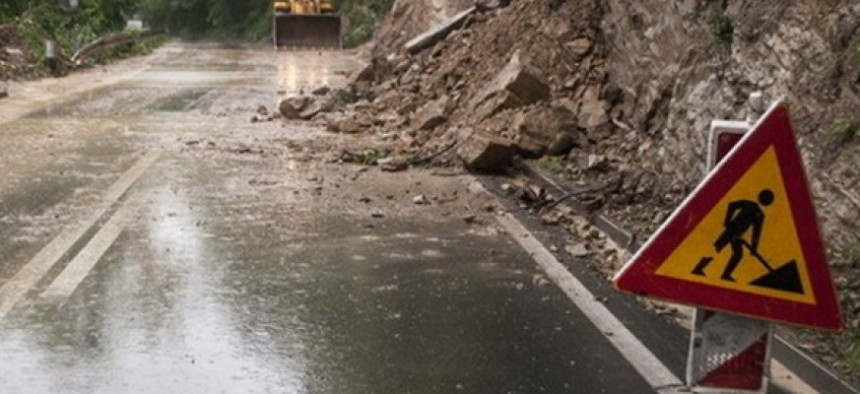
{"type": "Point", "coordinates": [727, 351]}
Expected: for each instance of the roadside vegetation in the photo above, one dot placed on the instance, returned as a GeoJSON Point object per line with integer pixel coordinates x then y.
{"type": "Point", "coordinates": [26, 25]}
{"type": "Point", "coordinates": [249, 20]}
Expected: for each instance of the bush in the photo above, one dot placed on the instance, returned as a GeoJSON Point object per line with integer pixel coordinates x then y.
{"type": "Point", "coordinates": [360, 19]}
{"type": "Point", "coordinates": [842, 131]}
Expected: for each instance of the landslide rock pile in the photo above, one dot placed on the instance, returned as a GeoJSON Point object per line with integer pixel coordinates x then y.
{"type": "Point", "coordinates": [505, 80]}
{"type": "Point", "coordinates": [525, 79]}
{"type": "Point", "coordinates": [619, 95]}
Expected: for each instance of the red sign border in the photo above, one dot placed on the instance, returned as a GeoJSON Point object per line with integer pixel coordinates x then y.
{"type": "Point", "coordinates": [638, 276]}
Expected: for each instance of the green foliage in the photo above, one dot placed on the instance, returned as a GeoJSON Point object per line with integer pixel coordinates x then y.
{"type": "Point", "coordinates": [129, 50]}
{"type": "Point", "coordinates": [361, 24]}
{"type": "Point", "coordinates": [369, 157]}
{"type": "Point", "coordinates": [842, 131]}
{"type": "Point", "coordinates": [553, 164]}
{"type": "Point", "coordinates": [240, 19]}
{"type": "Point", "coordinates": [221, 19]}
{"type": "Point", "coordinates": [852, 352]}
{"type": "Point", "coordinates": [721, 28]}
{"type": "Point", "coordinates": [851, 251]}
{"type": "Point", "coordinates": [39, 21]}
{"type": "Point", "coordinates": [360, 19]}
{"type": "Point", "coordinates": [9, 9]}
{"type": "Point", "coordinates": [179, 18]}
{"type": "Point", "coordinates": [854, 50]}
{"type": "Point", "coordinates": [339, 99]}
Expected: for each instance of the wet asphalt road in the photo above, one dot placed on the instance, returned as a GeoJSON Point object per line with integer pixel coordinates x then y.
{"type": "Point", "coordinates": [236, 260]}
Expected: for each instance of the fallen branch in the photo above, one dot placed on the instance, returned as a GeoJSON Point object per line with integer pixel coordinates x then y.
{"type": "Point", "coordinates": [609, 186]}
{"type": "Point", "coordinates": [107, 41]}
{"type": "Point", "coordinates": [427, 159]}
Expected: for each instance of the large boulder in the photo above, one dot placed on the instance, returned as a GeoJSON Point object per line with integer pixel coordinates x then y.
{"type": "Point", "coordinates": [486, 153]}
{"type": "Point", "coordinates": [542, 128]}
{"type": "Point", "coordinates": [292, 107]}
{"type": "Point", "coordinates": [344, 124]}
{"type": "Point", "coordinates": [515, 85]}
{"type": "Point", "coordinates": [313, 108]}
{"type": "Point", "coordinates": [593, 111]}
{"type": "Point", "coordinates": [431, 114]}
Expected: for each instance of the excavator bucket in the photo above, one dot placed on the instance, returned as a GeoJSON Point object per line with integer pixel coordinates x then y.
{"type": "Point", "coordinates": [307, 31]}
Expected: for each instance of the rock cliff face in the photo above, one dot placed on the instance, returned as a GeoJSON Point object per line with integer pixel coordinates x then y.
{"type": "Point", "coordinates": [682, 64]}
{"type": "Point", "coordinates": [624, 92]}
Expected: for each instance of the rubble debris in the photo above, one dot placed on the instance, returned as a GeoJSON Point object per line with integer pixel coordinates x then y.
{"type": "Point", "coordinates": [579, 47]}
{"type": "Point", "coordinates": [516, 85]}
{"type": "Point", "coordinates": [292, 107]}
{"type": "Point", "coordinates": [4, 93]}
{"type": "Point", "coordinates": [577, 250]}
{"type": "Point", "coordinates": [393, 164]}
{"type": "Point", "coordinates": [486, 153]}
{"type": "Point", "coordinates": [431, 115]}
{"type": "Point", "coordinates": [321, 91]}
{"type": "Point", "coordinates": [342, 124]}
{"type": "Point", "coordinates": [489, 5]}
{"type": "Point", "coordinates": [438, 32]}
{"type": "Point", "coordinates": [528, 196]}
{"type": "Point", "coordinates": [541, 128]}
{"type": "Point", "coordinates": [370, 156]}
{"type": "Point", "coordinates": [312, 109]}
{"type": "Point", "coordinates": [594, 112]}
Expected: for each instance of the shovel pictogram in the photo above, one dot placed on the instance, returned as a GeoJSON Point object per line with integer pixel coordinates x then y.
{"type": "Point", "coordinates": [743, 216]}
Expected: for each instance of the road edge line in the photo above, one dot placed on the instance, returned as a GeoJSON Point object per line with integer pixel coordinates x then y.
{"type": "Point", "coordinates": [634, 351]}
{"type": "Point", "coordinates": [628, 345]}
{"type": "Point", "coordinates": [630, 243]}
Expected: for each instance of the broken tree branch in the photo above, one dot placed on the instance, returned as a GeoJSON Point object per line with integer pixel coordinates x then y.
{"type": "Point", "coordinates": [614, 184]}
{"type": "Point", "coordinates": [107, 41]}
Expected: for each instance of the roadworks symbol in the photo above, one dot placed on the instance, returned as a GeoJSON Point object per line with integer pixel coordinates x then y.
{"type": "Point", "coordinates": [748, 242]}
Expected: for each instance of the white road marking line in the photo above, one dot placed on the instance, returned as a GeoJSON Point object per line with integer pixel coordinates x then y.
{"type": "Point", "coordinates": [639, 356]}
{"type": "Point", "coordinates": [65, 284]}
{"type": "Point", "coordinates": [643, 360]}
{"type": "Point", "coordinates": [12, 291]}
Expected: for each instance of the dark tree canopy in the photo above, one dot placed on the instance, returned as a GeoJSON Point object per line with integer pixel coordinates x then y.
{"type": "Point", "coordinates": [220, 19]}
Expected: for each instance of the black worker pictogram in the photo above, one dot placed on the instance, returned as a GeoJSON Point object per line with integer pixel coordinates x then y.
{"type": "Point", "coordinates": [748, 217]}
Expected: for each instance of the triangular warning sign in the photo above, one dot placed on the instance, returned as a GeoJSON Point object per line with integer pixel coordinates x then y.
{"type": "Point", "coordinates": [746, 241]}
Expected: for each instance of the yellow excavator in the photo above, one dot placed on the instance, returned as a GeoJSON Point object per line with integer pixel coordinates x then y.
{"type": "Point", "coordinates": [306, 24]}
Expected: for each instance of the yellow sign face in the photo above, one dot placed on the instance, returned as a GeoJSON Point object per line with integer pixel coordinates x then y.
{"type": "Point", "coordinates": [748, 242]}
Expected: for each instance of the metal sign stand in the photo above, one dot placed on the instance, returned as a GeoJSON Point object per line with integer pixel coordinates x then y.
{"type": "Point", "coordinates": [728, 353]}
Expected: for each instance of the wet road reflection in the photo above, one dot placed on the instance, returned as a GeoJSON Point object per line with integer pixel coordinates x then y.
{"type": "Point", "coordinates": [244, 267]}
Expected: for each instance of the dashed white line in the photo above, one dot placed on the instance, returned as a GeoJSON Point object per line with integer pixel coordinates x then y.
{"type": "Point", "coordinates": [12, 291]}
{"type": "Point", "coordinates": [65, 284]}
